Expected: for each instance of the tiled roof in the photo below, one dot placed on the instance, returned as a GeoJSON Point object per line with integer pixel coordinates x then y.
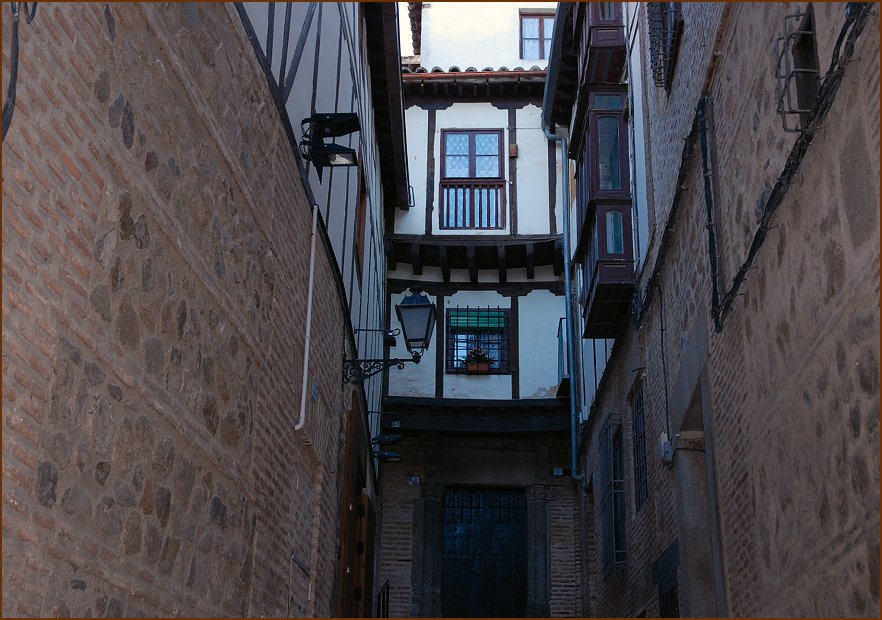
{"type": "Point", "coordinates": [455, 69]}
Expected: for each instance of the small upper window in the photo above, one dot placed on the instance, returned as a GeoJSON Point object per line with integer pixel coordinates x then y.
{"type": "Point", "coordinates": [536, 29]}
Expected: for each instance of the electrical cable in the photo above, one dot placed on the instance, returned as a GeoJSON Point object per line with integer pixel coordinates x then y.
{"type": "Point", "coordinates": [9, 104]}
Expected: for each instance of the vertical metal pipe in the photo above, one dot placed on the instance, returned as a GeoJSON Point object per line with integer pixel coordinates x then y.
{"type": "Point", "coordinates": [568, 295]}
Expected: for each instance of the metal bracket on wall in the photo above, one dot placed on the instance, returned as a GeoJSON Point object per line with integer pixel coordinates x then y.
{"type": "Point", "coordinates": [356, 371]}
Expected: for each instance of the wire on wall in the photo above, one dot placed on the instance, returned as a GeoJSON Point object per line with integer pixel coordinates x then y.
{"type": "Point", "coordinates": [9, 104]}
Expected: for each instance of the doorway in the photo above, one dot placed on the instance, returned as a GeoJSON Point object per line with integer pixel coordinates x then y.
{"type": "Point", "coordinates": [484, 565]}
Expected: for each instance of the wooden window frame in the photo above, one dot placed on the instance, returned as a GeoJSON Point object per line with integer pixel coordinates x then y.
{"type": "Point", "coordinates": [472, 182]}
{"type": "Point", "coordinates": [472, 154]}
{"type": "Point", "coordinates": [504, 366]}
{"type": "Point", "coordinates": [624, 190]}
{"type": "Point", "coordinates": [533, 14]}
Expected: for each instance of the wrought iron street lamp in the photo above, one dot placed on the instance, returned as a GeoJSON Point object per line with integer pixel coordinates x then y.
{"type": "Point", "coordinates": [416, 313]}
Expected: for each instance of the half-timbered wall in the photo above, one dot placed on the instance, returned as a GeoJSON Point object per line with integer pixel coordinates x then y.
{"type": "Point", "coordinates": [325, 64]}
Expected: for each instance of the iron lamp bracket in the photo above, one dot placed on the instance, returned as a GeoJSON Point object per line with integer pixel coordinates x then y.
{"type": "Point", "coordinates": [356, 371]}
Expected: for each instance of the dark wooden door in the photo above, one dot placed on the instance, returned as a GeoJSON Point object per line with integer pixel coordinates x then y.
{"type": "Point", "coordinates": [484, 571]}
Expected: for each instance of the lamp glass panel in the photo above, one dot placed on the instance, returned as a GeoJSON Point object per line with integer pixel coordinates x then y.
{"type": "Point", "coordinates": [415, 319]}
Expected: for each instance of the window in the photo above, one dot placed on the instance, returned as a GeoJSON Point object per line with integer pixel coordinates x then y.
{"type": "Point", "coordinates": [361, 221]}
{"type": "Point", "coordinates": [486, 329]}
{"type": "Point", "coordinates": [640, 484]}
{"type": "Point", "coordinates": [472, 154]}
{"type": "Point", "coordinates": [612, 503]}
{"type": "Point", "coordinates": [608, 161]}
{"type": "Point", "coordinates": [536, 30]}
{"type": "Point", "coordinates": [472, 191]}
{"type": "Point", "coordinates": [615, 238]}
{"type": "Point", "coordinates": [797, 70]}
{"type": "Point", "coordinates": [665, 26]}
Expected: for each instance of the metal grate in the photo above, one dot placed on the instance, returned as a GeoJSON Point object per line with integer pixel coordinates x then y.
{"type": "Point", "coordinates": [469, 329]}
{"type": "Point", "coordinates": [612, 503]}
{"type": "Point", "coordinates": [796, 70]}
{"type": "Point", "coordinates": [640, 484]}
{"type": "Point", "coordinates": [665, 23]}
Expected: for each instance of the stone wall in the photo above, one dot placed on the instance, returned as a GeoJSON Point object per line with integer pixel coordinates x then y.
{"type": "Point", "coordinates": [792, 380]}
{"type": "Point", "coordinates": [155, 252]}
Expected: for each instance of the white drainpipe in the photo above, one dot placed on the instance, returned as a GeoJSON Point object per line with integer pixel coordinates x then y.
{"type": "Point", "coordinates": [301, 421]}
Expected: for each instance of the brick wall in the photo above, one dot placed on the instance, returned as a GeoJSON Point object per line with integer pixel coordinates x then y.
{"type": "Point", "coordinates": [423, 456]}
{"type": "Point", "coordinates": [794, 375]}
{"type": "Point", "coordinates": [155, 252]}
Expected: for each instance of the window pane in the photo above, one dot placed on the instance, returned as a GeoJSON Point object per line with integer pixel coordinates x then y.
{"type": "Point", "coordinates": [548, 26]}
{"type": "Point", "coordinates": [547, 49]}
{"type": "Point", "coordinates": [607, 10]}
{"type": "Point", "coordinates": [531, 49]}
{"type": "Point", "coordinates": [608, 153]}
{"type": "Point", "coordinates": [609, 102]}
{"type": "Point", "coordinates": [487, 143]}
{"type": "Point", "coordinates": [457, 143]}
{"type": "Point", "coordinates": [530, 27]}
{"type": "Point", "coordinates": [487, 166]}
{"type": "Point", "coordinates": [456, 166]}
{"type": "Point", "coordinates": [615, 240]}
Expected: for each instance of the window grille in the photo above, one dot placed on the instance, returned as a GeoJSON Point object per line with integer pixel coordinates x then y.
{"type": "Point", "coordinates": [665, 27]}
{"type": "Point", "coordinates": [796, 70]}
{"type": "Point", "coordinates": [612, 503]}
{"type": "Point", "coordinates": [469, 329]}
{"type": "Point", "coordinates": [640, 483]}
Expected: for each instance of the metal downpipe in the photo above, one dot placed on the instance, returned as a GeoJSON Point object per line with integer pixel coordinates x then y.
{"type": "Point", "coordinates": [568, 299]}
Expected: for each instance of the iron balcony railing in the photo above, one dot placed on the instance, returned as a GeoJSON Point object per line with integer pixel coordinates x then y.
{"type": "Point", "coordinates": [476, 204]}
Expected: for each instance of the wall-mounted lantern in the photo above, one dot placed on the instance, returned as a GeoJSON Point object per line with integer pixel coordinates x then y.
{"type": "Point", "coordinates": [319, 126]}
{"type": "Point", "coordinates": [417, 316]}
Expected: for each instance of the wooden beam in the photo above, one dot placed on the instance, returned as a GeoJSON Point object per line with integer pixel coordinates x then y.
{"type": "Point", "coordinates": [558, 257]}
{"type": "Point", "coordinates": [500, 263]}
{"type": "Point", "coordinates": [531, 260]}
{"type": "Point", "coordinates": [415, 259]}
{"type": "Point", "coordinates": [442, 260]}
{"type": "Point", "coordinates": [473, 263]}
{"type": "Point", "coordinates": [391, 258]}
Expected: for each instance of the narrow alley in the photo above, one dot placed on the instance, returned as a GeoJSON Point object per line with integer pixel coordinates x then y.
{"type": "Point", "coordinates": [448, 309]}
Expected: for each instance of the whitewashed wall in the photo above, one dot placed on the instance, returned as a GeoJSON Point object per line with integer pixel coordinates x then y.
{"type": "Point", "coordinates": [539, 313]}
{"type": "Point", "coordinates": [637, 135]}
{"type": "Point", "coordinates": [475, 34]}
{"type": "Point", "coordinates": [332, 76]}
{"type": "Point", "coordinates": [532, 167]}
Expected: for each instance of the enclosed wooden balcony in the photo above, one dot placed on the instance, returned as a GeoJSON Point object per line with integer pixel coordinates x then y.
{"type": "Point", "coordinates": [603, 199]}
{"type": "Point", "coordinates": [600, 31]}
{"type": "Point", "coordinates": [608, 271]}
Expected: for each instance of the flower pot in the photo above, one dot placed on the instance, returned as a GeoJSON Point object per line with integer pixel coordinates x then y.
{"type": "Point", "coordinates": [477, 368]}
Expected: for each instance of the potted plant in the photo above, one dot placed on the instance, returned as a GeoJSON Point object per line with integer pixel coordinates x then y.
{"type": "Point", "coordinates": [478, 361]}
